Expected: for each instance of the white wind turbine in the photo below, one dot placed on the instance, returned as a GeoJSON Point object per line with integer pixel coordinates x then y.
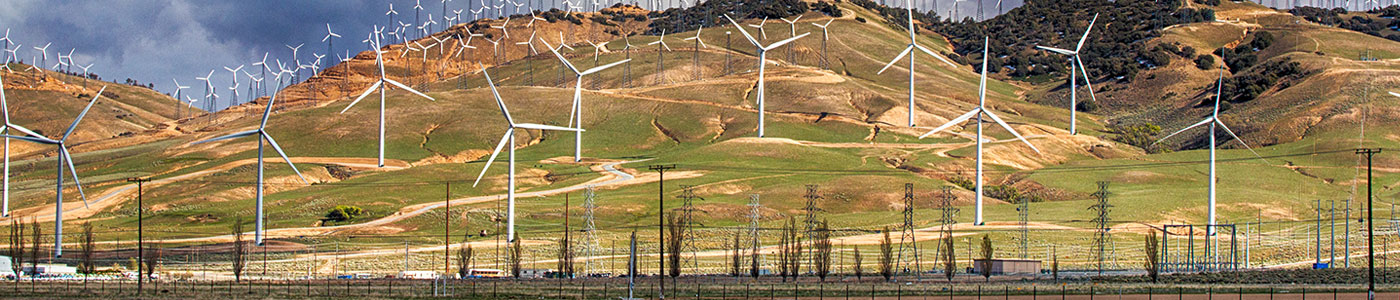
{"type": "Point", "coordinates": [6, 129]}
{"type": "Point", "coordinates": [761, 32]}
{"type": "Point", "coordinates": [380, 86]}
{"type": "Point", "coordinates": [825, 36]}
{"type": "Point", "coordinates": [576, 113]}
{"type": "Point", "coordinates": [178, 89]}
{"type": "Point", "coordinates": [509, 137]}
{"type": "Point", "coordinates": [908, 50]}
{"type": "Point", "coordinates": [1076, 64]}
{"type": "Point", "coordinates": [762, 65]}
{"type": "Point", "coordinates": [978, 112]}
{"type": "Point", "coordinates": [208, 87]}
{"type": "Point", "coordinates": [1214, 121]}
{"type": "Point", "coordinates": [233, 87]}
{"type": "Point", "coordinates": [262, 89]}
{"type": "Point", "coordinates": [296, 61]}
{"type": "Point", "coordinates": [661, 49]}
{"type": "Point", "coordinates": [263, 136]}
{"type": "Point", "coordinates": [8, 41]}
{"type": "Point", "coordinates": [330, 39]}
{"type": "Point", "coordinates": [698, 44]}
{"type": "Point", "coordinates": [65, 160]}
{"type": "Point", "coordinates": [792, 31]}
{"type": "Point", "coordinates": [44, 51]}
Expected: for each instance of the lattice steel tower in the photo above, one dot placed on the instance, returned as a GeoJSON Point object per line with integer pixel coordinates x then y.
{"type": "Point", "coordinates": [1103, 240]}
{"type": "Point", "coordinates": [590, 234]}
{"type": "Point", "coordinates": [907, 242]}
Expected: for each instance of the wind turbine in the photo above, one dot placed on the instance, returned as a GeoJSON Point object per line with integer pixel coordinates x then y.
{"type": "Point", "coordinates": [7, 40]}
{"type": "Point", "coordinates": [380, 85]}
{"type": "Point", "coordinates": [262, 134]}
{"type": "Point", "coordinates": [1214, 121]}
{"type": "Point", "coordinates": [576, 113]}
{"type": "Point", "coordinates": [509, 137]}
{"type": "Point", "coordinates": [661, 49]}
{"type": "Point", "coordinates": [208, 88]}
{"type": "Point", "coordinates": [233, 87]}
{"type": "Point", "coordinates": [792, 31]}
{"type": "Point", "coordinates": [6, 129]}
{"type": "Point", "coordinates": [825, 36]}
{"type": "Point", "coordinates": [296, 60]}
{"type": "Point", "coordinates": [178, 88]}
{"type": "Point", "coordinates": [390, 14]}
{"type": "Point", "coordinates": [1076, 64]}
{"type": "Point", "coordinates": [84, 78]}
{"type": "Point", "coordinates": [263, 64]}
{"type": "Point", "coordinates": [698, 43]}
{"type": "Point", "coordinates": [64, 160]}
{"type": "Point", "coordinates": [762, 65]}
{"type": "Point", "coordinates": [45, 52]}
{"type": "Point", "coordinates": [913, 44]}
{"type": "Point", "coordinates": [978, 112]}
{"type": "Point", "coordinates": [329, 39]}
{"type": "Point", "coordinates": [762, 32]}
{"type": "Point", "coordinates": [417, 12]}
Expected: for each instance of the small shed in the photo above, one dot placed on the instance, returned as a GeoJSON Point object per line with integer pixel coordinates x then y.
{"type": "Point", "coordinates": [1007, 266]}
{"type": "Point", "coordinates": [534, 273]}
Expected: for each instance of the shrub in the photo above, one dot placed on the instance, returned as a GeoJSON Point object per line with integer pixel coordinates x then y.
{"type": "Point", "coordinates": [1205, 62]}
{"type": "Point", "coordinates": [342, 213]}
{"type": "Point", "coordinates": [1141, 135]}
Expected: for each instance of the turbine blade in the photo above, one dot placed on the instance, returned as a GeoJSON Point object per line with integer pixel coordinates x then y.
{"type": "Point", "coordinates": [83, 114]}
{"type": "Point", "coordinates": [741, 30]}
{"type": "Point", "coordinates": [367, 92]}
{"type": "Point", "coordinates": [24, 130]}
{"type": "Point", "coordinates": [40, 140]}
{"type": "Point", "coordinates": [561, 57]}
{"type": "Point", "coordinates": [546, 127]}
{"type": "Point", "coordinates": [267, 111]}
{"type": "Point", "coordinates": [951, 123]}
{"type": "Point", "coordinates": [1238, 139]}
{"type": "Point", "coordinates": [499, 103]}
{"type": "Point", "coordinates": [935, 55]}
{"type": "Point", "coordinates": [73, 170]}
{"type": "Point", "coordinates": [499, 146]}
{"type": "Point", "coordinates": [1198, 124]}
{"type": "Point", "coordinates": [604, 67]}
{"type": "Point", "coordinates": [895, 60]}
{"type": "Point", "coordinates": [227, 137]}
{"type": "Point", "coordinates": [273, 142]}
{"type": "Point", "coordinates": [1086, 34]}
{"type": "Point", "coordinates": [1008, 129]}
{"type": "Point", "coordinates": [1087, 83]}
{"type": "Point", "coordinates": [1395, 94]}
{"type": "Point", "coordinates": [1056, 50]}
{"type": "Point", "coordinates": [784, 42]}
{"type": "Point", "coordinates": [409, 89]}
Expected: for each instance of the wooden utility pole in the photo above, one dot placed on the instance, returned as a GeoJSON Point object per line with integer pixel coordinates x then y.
{"type": "Point", "coordinates": [1370, 229]}
{"type": "Point", "coordinates": [140, 230]}
{"type": "Point", "coordinates": [661, 224]}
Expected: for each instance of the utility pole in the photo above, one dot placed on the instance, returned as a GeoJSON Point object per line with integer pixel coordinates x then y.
{"type": "Point", "coordinates": [907, 242]}
{"type": "Point", "coordinates": [1370, 229]}
{"type": "Point", "coordinates": [661, 225]}
{"type": "Point", "coordinates": [140, 230]}
{"type": "Point", "coordinates": [447, 233]}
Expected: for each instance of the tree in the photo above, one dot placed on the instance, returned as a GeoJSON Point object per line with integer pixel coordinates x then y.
{"type": "Point", "coordinates": [566, 256]}
{"type": "Point", "coordinates": [754, 258]}
{"type": "Point", "coordinates": [16, 250]}
{"type": "Point", "coordinates": [515, 258]}
{"type": "Point", "coordinates": [240, 250]}
{"type": "Point", "coordinates": [792, 245]}
{"type": "Point", "coordinates": [1152, 263]}
{"type": "Point", "coordinates": [886, 256]}
{"type": "Point", "coordinates": [1055, 264]}
{"type": "Point", "coordinates": [464, 261]}
{"type": "Point", "coordinates": [822, 245]}
{"type": "Point", "coordinates": [342, 213]}
{"type": "Point", "coordinates": [88, 245]}
{"type": "Point", "coordinates": [37, 235]}
{"type": "Point", "coordinates": [736, 264]}
{"type": "Point", "coordinates": [674, 239]}
{"type": "Point", "coordinates": [859, 269]}
{"type": "Point", "coordinates": [987, 257]}
{"type": "Point", "coordinates": [950, 257]}
{"type": "Point", "coordinates": [152, 260]}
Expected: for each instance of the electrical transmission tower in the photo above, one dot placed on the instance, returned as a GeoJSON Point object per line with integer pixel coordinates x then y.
{"type": "Point", "coordinates": [590, 235]}
{"type": "Point", "coordinates": [1023, 213]}
{"type": "Point", "coordinates": [1103, 240]}
{"type": "Point", "coordinates": [755, 214]}
{"type": "Point", "coordinates": [810, 221]}
{"type": "Point", "coordinates": [687, 218]}
{"type": "Point", "coordinates": [907, 243]}
{"type": "Point", "coordinates": [947, 217]}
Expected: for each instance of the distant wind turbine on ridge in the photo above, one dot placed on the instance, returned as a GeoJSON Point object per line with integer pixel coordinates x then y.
{"type": "Point", "coordinates": [1076, 64]}
{"type": "Point", "coordinates": [913, 44]}
{"type": "Point", "coordinates": [263, 136]}
{"type": "Point", "coordinates": [762, 65]}
{"type": "Point", "coordinates": [576, 113]}
{"type": "Point", "coordinates": [380, 86]}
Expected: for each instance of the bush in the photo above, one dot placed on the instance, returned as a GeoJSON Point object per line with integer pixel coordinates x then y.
{"type": "Point", "coordinates": [1141, 136]}
{"type": "Point", "coordinates": [342, 213]}
{"type": "Point", "coordinates": [1205, 62]}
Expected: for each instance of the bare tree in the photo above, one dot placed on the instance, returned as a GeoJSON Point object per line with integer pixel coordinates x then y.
{"type": "Point", "coordinates": [240, 250]}
{"type": "Point", "coordinates": [464, 257]}
{"type": "Point", "coordinates": [754, 256]}
{"type": "Point", "coordinates": [784, 243]}
{"type": "Point", "coordinates": [736, 257]}
{"type": "Point", "coordinates": [85, 266]}
{"type": "Point", "coordinates": [987, 257]}
{"type": "Point", "coordinates": [515, 258]}
{"type": "Point", "coordinates": [16, 250]}
{"type": "Point", "coordinates": [859, 269]}
{"type": "Point", "coordinates": [1153, 263]}
{"type": "Point", "coordinates": [794, 258]}
{"type": "Point", "coordinates": [37, 234]}
{"type": "Point", "coordinates": [950, 258]}
{"type": "Point", "coordinates": [822, 245]}
{"type": "Point", "coordinates": [886, 256]}
{"type": "Point", "coordinates": [152, 260]}
{"type": "Point", "coordinates": [675, 238]}
{"type": "Point", "coordinates": [1055, 263]}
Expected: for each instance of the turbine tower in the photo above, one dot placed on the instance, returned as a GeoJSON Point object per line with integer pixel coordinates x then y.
{"type": "Point", "coordinates": [380, 85]}
{"type": "Point", "coordinates": [1076, 64]}
{"type": "Point", "coordinates": [913, 44]}
{"type": "Point", "coordinates": [64, 160]}
{"type": "Point", "coordinates": [509, 137]}
{"type": "Point", "coordinates": [576, 113]}
{"type": "Point", "coordinates": [262, 134]}
{"type": "Point", "coordinates": [762, 64]}
{"type": "Point", "coordinates": [1214, 121]}
{"type": "Point", "coordinates": [6, 130]}
{"type": "Point", "coordinates": [978, 112]}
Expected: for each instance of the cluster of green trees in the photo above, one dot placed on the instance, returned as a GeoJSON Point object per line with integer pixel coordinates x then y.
{"type": "Point", "coordinates": [1004, 192]}
{"type": "Point", "coordinates": [343, 213]}
{"type": "Point", "coordinates": [1363, 24]}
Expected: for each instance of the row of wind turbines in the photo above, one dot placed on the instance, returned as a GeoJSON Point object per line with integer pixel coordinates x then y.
{"type": "Point", "coordinates": [980, 113]}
